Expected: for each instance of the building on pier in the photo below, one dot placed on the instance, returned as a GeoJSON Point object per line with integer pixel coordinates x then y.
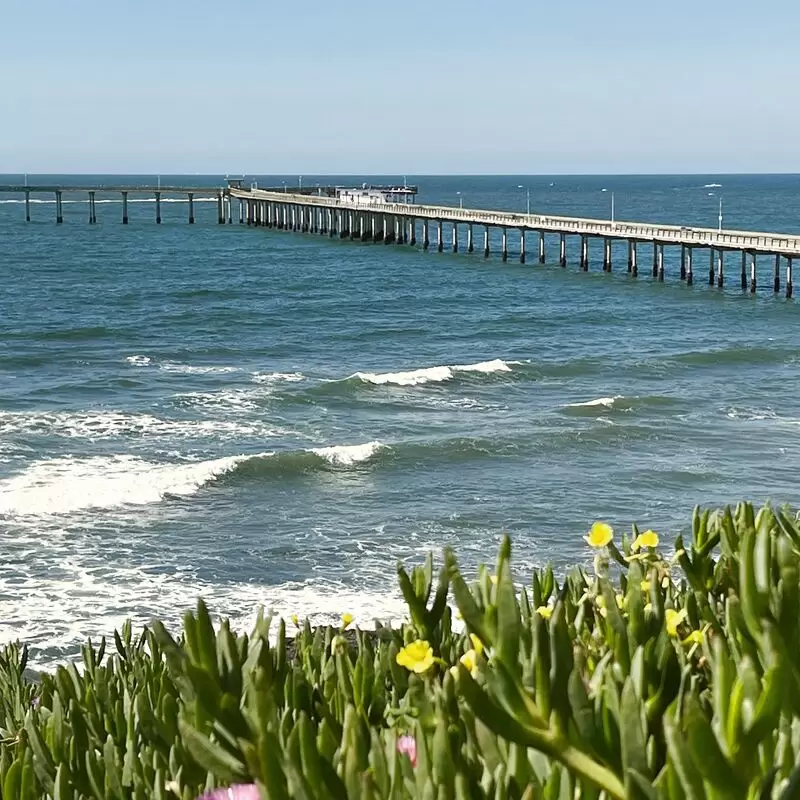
{"type": "Point", "coordinates": [367, 195]}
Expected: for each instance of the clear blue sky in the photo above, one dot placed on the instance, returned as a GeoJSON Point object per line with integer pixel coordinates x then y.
{"type": "Point", "coordinates": [422, 86]}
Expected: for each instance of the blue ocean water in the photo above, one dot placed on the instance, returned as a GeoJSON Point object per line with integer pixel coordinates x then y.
{"type": "Point", "coordinates": [262, 417]}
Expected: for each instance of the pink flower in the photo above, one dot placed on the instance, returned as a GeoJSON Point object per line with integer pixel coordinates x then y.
{"type": "Point", "coordinates": [408, 746]}
{"type": "Point", "coordinates": [239, 791]}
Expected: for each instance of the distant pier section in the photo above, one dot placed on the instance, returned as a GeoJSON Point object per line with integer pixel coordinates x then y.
{"type": "Point", "coordinates": [390, 214]}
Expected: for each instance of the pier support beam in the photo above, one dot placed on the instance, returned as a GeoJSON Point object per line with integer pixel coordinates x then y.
{"type": "Point", "coordinates": [470, 241]}
{"type": "Point", "coordinates": [522, 246]}
{"type": "Point", "coordinates": [789, 277]}
{"type": "Point", "coordinates": [607, 255]}
{"type": "Point", "coordinates": [360, 226]}
{"type": "Point", "coordinates": [562, 250]}
{"type": "Point", "coordinates": [776, 287]}
{"type": "Point", "coordinates": [439, 237]}
{"type": "Point", "coordinates": [220, 209]}
{"type": "Point", "coordinates": [683, 262]}
{"type": "Point", "coordinates": [504, 246]}
{"type": "Point", "coordinates": [158, 207]}
{"type": "Point", "coordinates": [711, 280]}
{"type": "Point", "coordinates": [486, 241]}
{"type": "Point", "coordinates": [689, 275]}
{"type": "Point", "coordinates": [720, 268]}
{"type": "Point", "coordinates": [92, 211]}
{"type": "Point", "coordinates": [541, 247]}
{"type": "Point", "coordinates": [455, 237]}
{"type": "Point", "coordinates": [412, 224]}
{"type": "Point", "coordinates": [633, 264]}
{"type": "Point", "coordinates": [191, 208]}
{"type": "Point", "coordinates": [752, 273]}
{"type": "Point", "coordinates": [584, 253]}
{"type": "Point", "coordinates": [744, 270]}
{"type": "Point", "coordinates": [655, 259]}
{"type": "Point", "coordinates": [425, 238]}
{"type": "Point", "coordinates": [660, 260]}
{"type": "Point", "coordinates": [241, 211]}
{"type": "Point", "coordinates": [229, 201]}
{"type": "Point", "coordinates": [59, 215]}
{"type": "Point", "coordinates": [27, 206]}
{"type": "Point", "coordinates": [124, 208]}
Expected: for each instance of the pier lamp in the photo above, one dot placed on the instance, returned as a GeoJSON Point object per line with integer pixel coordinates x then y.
{"type": "Point", "coordinates": [719, 219]}
{"type": "Point", "coordinates": [527, 197]}
{"type": "Point", "coordinates": [284, 185]}
{"type": "Point", "coordinates": [460, 200]}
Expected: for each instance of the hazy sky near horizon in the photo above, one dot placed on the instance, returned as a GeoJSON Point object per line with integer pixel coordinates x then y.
{"type": "Point", "coordinates": [422, 87]}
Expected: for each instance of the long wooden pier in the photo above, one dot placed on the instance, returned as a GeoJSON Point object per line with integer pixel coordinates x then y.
{"type": "Point", "coordinates": [399, 223]}
{"type": "Point", "coordinates": [364, 214]}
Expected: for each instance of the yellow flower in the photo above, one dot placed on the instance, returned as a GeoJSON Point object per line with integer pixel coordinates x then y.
{"type": "Point", "coordinates": [673, 619]}
{"type": "Point", "coordinates": [346, 620]}
{"type": "Point", "coordinates": [493, 579]}
{"type": "Point", "coordinates": [476, 643]}
{"type": "Point", "coordinates": [295, 621]}
{"type": "Point", "coordinates": [601, 605]}
{"type": "Point", "coordinates": [645, 586]}
{"type": "Point", "coordinates": [648, 608]}
{"type": "Point", "coordinates": [621, 601]}
{"type": "Point", "coordinates": [695, 637]}
{"type": "Point", "coordinates": [545, 612]}
{"type": "Point", "coordinates": [416, 657]}
{"type": "Point", "coordinates": [600, 535]}
{"type": "Point", "coordinates": [646, 539]}
{"type": "Point", "coordinates": [469, 660]}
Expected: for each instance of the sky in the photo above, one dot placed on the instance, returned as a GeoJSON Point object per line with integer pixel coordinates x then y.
{"type": "Point", "coordinates": [418, 87]}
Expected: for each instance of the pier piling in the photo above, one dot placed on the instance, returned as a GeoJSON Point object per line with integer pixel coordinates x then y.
{"type": "Point", "coordinates": [541, 247]}
{"type": "Point", "coordinates": [455, 237]}
{"type": "Point", "coordinates": [439, 237]}
{"type": "Point", "coordinates": [744, 270]}
{"type": "Point", "coordinates": [158, 208]}
{"type": "Point", "coordinates": [470, 239]}
{"type": "Point", "coordinates": [27, 206]}
{"type": "Point", "coordinates": [789, 277]}
{"type": "Point", "coordinates": [683, 262]}
{"type": "Point", "coordinates": [191, 208]}
{"type": "Point", "coordinates": [711, 276]}
{"type": "Point", "coordinates": [59, 215]}
{"type": "Point", "coordinates": [522, 246]}
{"type": "Point", "coordinates": [412, 222]}
{"type": "Point", "coordinates": [585, 253]}
{"type": "Point", "coordinates": [660, 260]}
{"type": "Point", "coordinates": [606, 255]}
{"type": "Point", "coordinates": [689, 275]}
{"type": "Point", "coordinates": [720, 268]}
{"type": "Point", "coordinates": [655, 259]}
{"type": "Point", "coordinates": [486, 241]}
{"type": "Point", "coordinates": [634, 261]}
{"type": "Point", "coordinates": [504, 245]}
{"type": "Point", "coordinates": [562, 250]}
{"type": "Point", "coordinates": [92, 211]}
{"type": "Point", "coordinates": [752, 273]}
{"type": "Point", "coordinates": [124, 208]}
{"type": "Point", "coordinates": [776, 284]}
{"type": "Point", "coordinates": [426, 242]}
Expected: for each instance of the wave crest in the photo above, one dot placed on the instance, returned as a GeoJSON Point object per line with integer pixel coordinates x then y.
{"type": "Point", "coordinates": [437, 374]}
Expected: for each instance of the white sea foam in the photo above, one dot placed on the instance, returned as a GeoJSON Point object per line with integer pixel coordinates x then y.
{"type": "Point", "coordinates": [439, 374]}
{"type": "Point", "coordinates": [196, 369]}
{"type": "Point", "coordinates": [65, 485]}
{"type": "Point", "coordinates": [346, 455]}
{"type": "Point", "coordinates": [276, 377]}
{"type": "Point", "coordinates": [138, 361]}
{"type": "Point", "coordinates": [117, 424]}
{"type": "Point", "coordinates": [607, 402]}
{"type": "Point", "coordinates": [712, 185]}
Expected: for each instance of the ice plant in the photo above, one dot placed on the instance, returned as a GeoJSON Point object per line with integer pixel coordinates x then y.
{"type": "Point", "coordinates": [416, 657]}
{"type": "Point", "coordinates": [600, 535]}
{"type": "Point", "coordinates": [476, 643]}
{"type": "Point", "coordinates": [673, 619]}
{"type": "Point", "coordinates": [645, 586]}
{"type": "Point", "coordinates": [695, 637]}
{"type": "Point", "coordinates": [239, 791]}
{"type": "Point", "coordinates": [407, 745]}
{"type": "Point", "coordinates": [646, 539]}
{"type": "Point", "coordinates": [346, 620]}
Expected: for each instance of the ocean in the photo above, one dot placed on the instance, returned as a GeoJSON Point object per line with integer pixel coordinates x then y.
{"type": "Point", "coordinates": [261, 417]}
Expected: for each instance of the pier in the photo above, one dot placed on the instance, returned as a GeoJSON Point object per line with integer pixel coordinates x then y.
{"type": "Point", "coordinates": [399, 223]}
{"type": "Point", "coordinates": [389, 214]}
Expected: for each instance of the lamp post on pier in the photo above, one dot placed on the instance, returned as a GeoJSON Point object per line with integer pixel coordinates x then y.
{"type": "Point", "coordinates": [527, 197]}
{"type": "Point", "coordinates": [719, 219]}
{"type": "Point", "coordinates": [460, 200]}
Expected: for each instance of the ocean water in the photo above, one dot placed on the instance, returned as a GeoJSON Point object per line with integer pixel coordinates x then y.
{"type": "Point", "coordinates": [268, 418]}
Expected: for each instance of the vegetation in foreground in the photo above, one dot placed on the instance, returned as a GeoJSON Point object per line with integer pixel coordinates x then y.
{"type": "Point", "coordinates": [646, 677]}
